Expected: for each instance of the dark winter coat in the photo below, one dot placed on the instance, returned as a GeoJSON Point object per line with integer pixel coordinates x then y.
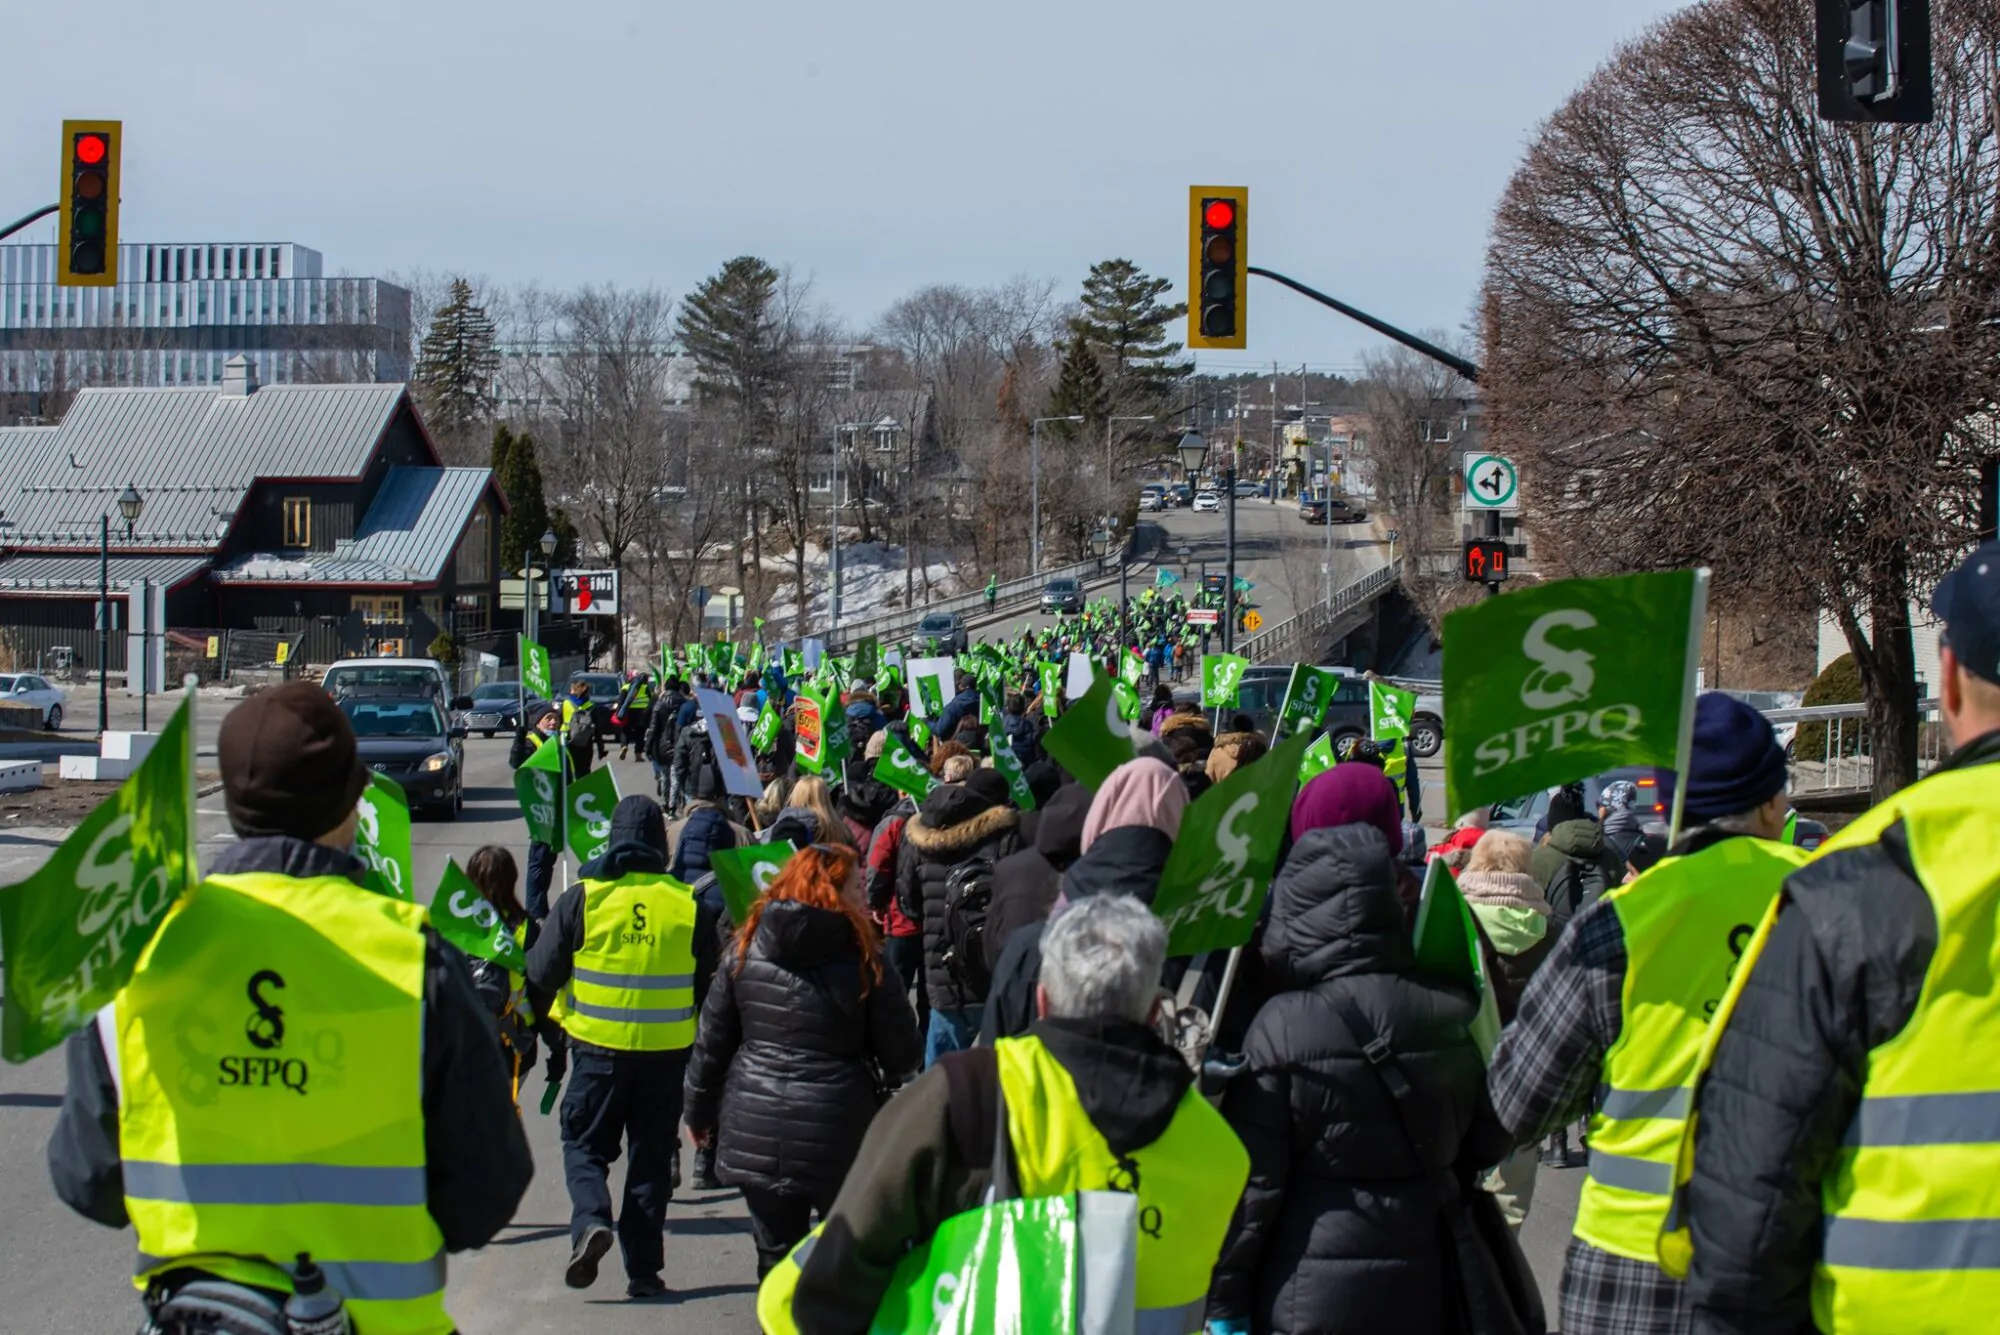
{"type": "Point", "coordinates": [706, 830]}
{"type": "Point", "coordinates": [664, 728]}
{"type": "Point", "coordinates": [863, 800]}
{"type": "Point", "coordinates": [1025, 884]}
{"type": "Point", "coordinates": [1575, 867]}
{"type": "Point", "coordinates": [1338, 1230]}
{"type": "Point", "coordinates": [697, 773]}
{"type": "Point", "coordinates": [778, 1070]}
{"type": "Point", "coordinates": [954, 826]}
{"type": "Point", "coordinates": [1023, 736]}
{"type": "Point", "coordinates": [964, 705]}
{"type": "Point", "coordinates": [1622, 831]}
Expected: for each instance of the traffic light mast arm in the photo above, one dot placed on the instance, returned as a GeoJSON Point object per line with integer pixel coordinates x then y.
{"type": "Point", "coordinates": [16, 226]}
{"type": "Point", "coordinates": [1382, 327]}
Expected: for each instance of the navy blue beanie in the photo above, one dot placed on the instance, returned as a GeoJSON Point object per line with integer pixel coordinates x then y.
{"type": "Point", "coordinates": [1738, 764]}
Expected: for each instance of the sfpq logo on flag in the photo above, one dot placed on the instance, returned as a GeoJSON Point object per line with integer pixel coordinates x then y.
{"type": "Point", "coordinates": [1565, 680]}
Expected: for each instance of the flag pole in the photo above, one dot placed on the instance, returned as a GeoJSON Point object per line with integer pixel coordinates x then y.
{"type": "Point", "coordinates": [1684, 747]}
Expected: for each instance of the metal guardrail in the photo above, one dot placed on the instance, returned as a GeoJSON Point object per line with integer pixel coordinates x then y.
{"type": "Point", "coordinates": [1831, 747]}
{"type": "Point", "coordinates": [893, 626]}
{"type": "Point", "coordinates": [1287, 641]}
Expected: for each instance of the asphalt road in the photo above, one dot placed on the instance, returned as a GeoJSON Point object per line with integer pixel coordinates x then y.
{"type": "Point", "coordinates": [63, 1275]}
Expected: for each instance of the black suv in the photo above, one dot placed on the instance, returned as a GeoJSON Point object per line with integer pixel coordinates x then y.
{"type": "Point", "coordinates": [407, 738]}
{"type": "Point", "coordinates": [1261, 695]}
{"type": "Point", "coordinates": [1062, 595]}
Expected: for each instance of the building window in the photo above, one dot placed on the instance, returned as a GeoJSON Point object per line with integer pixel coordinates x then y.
{"type": "Point", "coordinates": [473, 619]}
{"type": "Point", "coordinates": [475, 565]}
{"type": "Point", "coordinates": [379, 611]}
{"type": "Point", "coordinates": [298, 522]}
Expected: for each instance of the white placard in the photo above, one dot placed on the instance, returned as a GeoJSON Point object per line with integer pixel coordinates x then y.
{"type": "Point", "coordinates": [732, 744]}
{"type": "Point", "coordinates": [1081, 673]}
{"type": "Point", "coordinates": [943, 669]}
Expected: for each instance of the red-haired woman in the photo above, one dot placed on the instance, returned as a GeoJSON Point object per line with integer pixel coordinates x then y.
{"type": "Point", "coordinates": [804, 1028]}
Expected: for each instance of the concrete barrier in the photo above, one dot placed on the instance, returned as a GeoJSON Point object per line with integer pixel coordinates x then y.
{"type": "Point", "coordinates": [20, 776]}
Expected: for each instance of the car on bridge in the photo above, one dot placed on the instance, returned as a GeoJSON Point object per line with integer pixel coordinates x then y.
{"type": "Point", "coordinates": [1063, 594]}
{"type": "Point", "coordinates": [1340, 510]}
{"type": "Point", "coordinates": [945, 629]}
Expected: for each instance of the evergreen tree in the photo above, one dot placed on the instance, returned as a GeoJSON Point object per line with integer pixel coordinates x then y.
{"type": "Point", "coordinates": [1080, 392]}
{"type": "Point", "coordinates": [1124, 321]}
{"type": "Point", "coordinates": [730, 327]}
{"type": "Point", "coordinates": [520, 477]}
{"type": "Point", "coordinates": [456, 366]}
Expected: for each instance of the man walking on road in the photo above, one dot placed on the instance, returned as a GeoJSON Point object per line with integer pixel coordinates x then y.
{"type": "Point", "coordinates": [629, 954]}
{"type": "Point", "coordinates": [376, 1170]}
{"type": "Point", "coordinates": [1847, 1151]}
{"type": "Point", "coordinates": [1616, 1017]}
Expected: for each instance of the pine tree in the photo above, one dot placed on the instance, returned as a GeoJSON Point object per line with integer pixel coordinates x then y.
{"type": "Point", "coordinates": [520, 479]}
{"type": "Point", "coordinates": [456, 366]}
{"type": "Point", "coordinates": [1080, 392]}
{"type": "Point", "coordinates": [1125, 323]}
{"type": "Point", "coordinates": [729, 326]}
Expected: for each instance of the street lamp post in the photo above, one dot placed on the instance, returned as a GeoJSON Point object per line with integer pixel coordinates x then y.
{"type": "Point", "coordinates": [1193, 450]}
{"type": "Point", "coordinates": [1035, 489]}
{"type": "Point", "coordinates": [130, 503]}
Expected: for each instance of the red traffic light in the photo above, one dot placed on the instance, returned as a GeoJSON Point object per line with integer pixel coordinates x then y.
{"type": "Point", "coordinates": [1485, 561]}
{"type": "Point", "coordinates": [1218, 214]}
{"type": "Point", "coordinates": [90, 149]}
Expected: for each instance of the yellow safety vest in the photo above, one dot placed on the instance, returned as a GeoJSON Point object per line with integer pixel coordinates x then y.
{"type": "Point", "coordinates": [631, 986]}
{"type": "Point", "coordinates": [1686, 922]}
{"type": "Point", "coordinates": [642, 695]}
{"type": "Point", "coordinates": [1188, 1183]}
{"type": "Point", "coordinates": [270, 1070]}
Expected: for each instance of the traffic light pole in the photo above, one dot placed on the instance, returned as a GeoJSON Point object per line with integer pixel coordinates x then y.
{"type": "Point", "coordinates": [1431, 350]}
{"type": "Point", "coordinates": [17, 225]}
{"type": "Point", "coordinates": [1229, 560]}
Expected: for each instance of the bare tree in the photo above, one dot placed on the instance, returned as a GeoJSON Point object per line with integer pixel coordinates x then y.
{"type": "Point", "coordinates": [1724, 332]}
{"type": "Point", "coordinates": [1417, 409]}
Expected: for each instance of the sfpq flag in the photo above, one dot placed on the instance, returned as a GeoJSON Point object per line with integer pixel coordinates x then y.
{"type": "Point", "coordinates": [1220, 869]}
{"type": "Point", "coordinates": [382, 838]}
{"type": "Point", "coordinates": [1090, 739]}
{"type": "Point", "coordinates": [1221, 675]}
{"type": "Point", "coordinates": [1565, 680]}
{"type": "Point", "coordinates": [74, 930]}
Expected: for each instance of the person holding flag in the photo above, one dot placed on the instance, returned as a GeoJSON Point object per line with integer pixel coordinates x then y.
{"type": "Point", "coordinates": [1845, 1150]}
{"type": "Point", "coordinates": [178, 1143]}
{"type": "Point", "coordinates": [1614, 1020]}
{"type": "Point", "coordinates": [546, 729]}
{"type": "Point", "coordinates": [634, 712]}
{"type": "Point", "coordinates": [628, 954]}
{"type": "Point", "coordinates": [992, 591]}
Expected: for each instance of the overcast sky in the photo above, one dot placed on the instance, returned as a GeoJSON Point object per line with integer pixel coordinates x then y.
{"type": "Point", "coordinates": [875, 146]}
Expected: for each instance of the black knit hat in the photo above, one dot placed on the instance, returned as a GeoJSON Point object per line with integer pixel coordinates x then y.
{"type": "Point", "coordinates": [1737, 765]}
{"type": "Point", "coordinates": [289, 763]}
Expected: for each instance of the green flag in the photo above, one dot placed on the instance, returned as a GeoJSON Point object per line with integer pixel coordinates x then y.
{"type": "Point", "coordinates": [1390, 711]}
{"type": "Point", "coordinates": [931, 694]}
{"type": "Point", "coordinates": [536, 677]}
{"type": "Point", "coordinates": [1091, 740]}
{"type": "Point", "coordinates": [1243, 585]}
{"type": "Point", "coordinates": [1051, 675]}
{"type": "Point", "coordinates": [1166, 578]}
{"type": "Point", "coordinates": [887, 678]}
{"type": "Point", "coordinates": [867, 657]}
{"type": "Point", "coordinates": [821, 726]}
{"type": "Point", "coordinates": [903, 769]}
{"type": "Point", "coordinates": [920, 732]}
{"type": "Point", "coordinates": [73, 931]}
{"type": "Point", "coordinates": [1213, 888]}
{"type": "Point", "coordinates": [1306, 700]}
{"type": "Point", "coordinates": [1318, 759]}
{"type": "Point", "coordinates": [1008, 766]}
{"type": "Point", "coordinates": [770, 724]}
{"type": "Point", "coordinates": [795, 665]}
{"type": "Point", "coordinates": [588, 805]}
{"type": "Point", "coordinates": [1447, 946]}
{"type": "Point", "coordinates": [721, 658]}
{"type": "Point", "coordinates": [757, 656]}
{"type": "Point", "coordinates": [697, 659]}
{"type": "Point", "coordinates": [1131, 667]}
{"type": "Point", "coordinates": [744, 874]}
{"type": "Point", "coordinates": [1221, 675]}
{"type": "Point", "coordinates": [382, 838]}
{"type": "Point", "coordinates": [462, 916]}
{"type": "Point", "coordinates": [1560, 681]}
{"type": "Point", "coordinates": [1128, 700]}
{"type": "Point", "coordinates": [538, 785]}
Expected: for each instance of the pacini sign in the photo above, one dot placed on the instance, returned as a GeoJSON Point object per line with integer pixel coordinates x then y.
{"type": "Point", "coordinates": [587, 592]}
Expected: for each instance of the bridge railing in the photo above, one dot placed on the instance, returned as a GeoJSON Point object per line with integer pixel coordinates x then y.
{"type": "Point", "coordinates": [893, 627]}
{"type": "Point", "coordinates": [1290, 641]}
{"type": "Point", "coordinates": [1832, 747]}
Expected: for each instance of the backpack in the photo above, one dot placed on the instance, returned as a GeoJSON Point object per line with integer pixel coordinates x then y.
{"type": "Point", "coordinates": [968, 894]}
{"type": "Point", "coordinates": [704, 776]}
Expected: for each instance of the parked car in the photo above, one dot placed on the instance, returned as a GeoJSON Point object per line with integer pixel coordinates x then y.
{"type": "Point", "coordinates": [1062, 594]}
{"type": "Point", "coordinates": [406, 738]}
{"type": "Point", "coordinates": [495, 707]}
{"type": "Point", "coordinates": [28, 688]}
{"type": "Point", "coordinates": [947, 628]}
{"type": "Point", "coordinates": [1206, 502]}
{"type": "Point", "coordinates": [1152, 498]}
{"type": "Point", "coordinates": [1809, 834]}
{"type": "Point", "coordinates": [1180, 493]}
{"type": "Point", "coordinates": [1247, 490]}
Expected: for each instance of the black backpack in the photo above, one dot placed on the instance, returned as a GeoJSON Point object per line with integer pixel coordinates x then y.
{"type": "Point", "coordinates": [968, 894]}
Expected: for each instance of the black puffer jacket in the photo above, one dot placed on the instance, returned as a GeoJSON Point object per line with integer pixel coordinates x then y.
{"type": "Point", "coordinates": [1338, 1229]}
{"type": "Point", "coordinates": [778, 1068]}
{"type": "Point", "coordinates": [954, 826]}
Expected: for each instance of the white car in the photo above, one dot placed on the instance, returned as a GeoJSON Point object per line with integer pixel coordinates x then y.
{"type": "Point", "coordinates": [1149, 500]}
{"type": "Point", "coordinates": [25, 688]}
{"type": "Point", "coordinates": [1206, 501]}
{"type": "Point", "coordinates": [405, 676]}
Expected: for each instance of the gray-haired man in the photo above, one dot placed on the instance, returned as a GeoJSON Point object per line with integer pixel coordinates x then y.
{"type": "Point", "coordinates": [1092, 1099]}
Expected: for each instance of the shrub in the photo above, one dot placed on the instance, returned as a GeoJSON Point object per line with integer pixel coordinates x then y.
{"type": "Point", "coordinates": [1839, 684]}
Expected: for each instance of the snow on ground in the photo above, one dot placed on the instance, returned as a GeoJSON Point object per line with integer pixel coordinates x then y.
{"type": "Point", "coordinates": [871, 583]}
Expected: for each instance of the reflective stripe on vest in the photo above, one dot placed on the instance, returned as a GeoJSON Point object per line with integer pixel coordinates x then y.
{"type": "Point", "coordinates": [1684, 923]}
{"type": "Point", "coordinates": [1188, 1181]}
{"type": "Point", "coordinates": [631, 985]}
{"type": "Point", "coordinates": [271, 1051]}
{"type": "Point", "coordinates": [1912, 1201]}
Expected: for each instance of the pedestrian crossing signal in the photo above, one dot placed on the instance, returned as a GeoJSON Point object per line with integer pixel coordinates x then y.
{"type": "Point", "coordinates": [1485, 561]}
{"type": "Point", "coordinates": [87, 218]}
{"type": "Point", "coordinates": [1218, 266]}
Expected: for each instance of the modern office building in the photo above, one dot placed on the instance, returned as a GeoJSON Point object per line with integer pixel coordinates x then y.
{"type": "Point", "coordinates": [180, 312]}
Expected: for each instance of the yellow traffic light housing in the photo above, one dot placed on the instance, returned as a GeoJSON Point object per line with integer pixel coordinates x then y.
{"type": "Point", "coordinates": [87, 220]}
{"type": "Point", "coordinates": [1218, 266]}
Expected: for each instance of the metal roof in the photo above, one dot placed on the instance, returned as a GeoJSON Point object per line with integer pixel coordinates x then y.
{"type": "Point", "coordinates": [192, 453]}
{"type": "Point", "coordinates": [79, 574]}
{"type": "Point", "coordinates": [405, 538]}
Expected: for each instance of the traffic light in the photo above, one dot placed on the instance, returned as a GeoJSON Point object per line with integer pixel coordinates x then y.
{"type": "Point", "coordinates": [87, 221]}
{"type": "Point", "coordinates": [1485, 561]}
{"type": "Point", "coordinates": [1874, 60]}
{"type": "Point", "coordinates": [1218, 266]}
